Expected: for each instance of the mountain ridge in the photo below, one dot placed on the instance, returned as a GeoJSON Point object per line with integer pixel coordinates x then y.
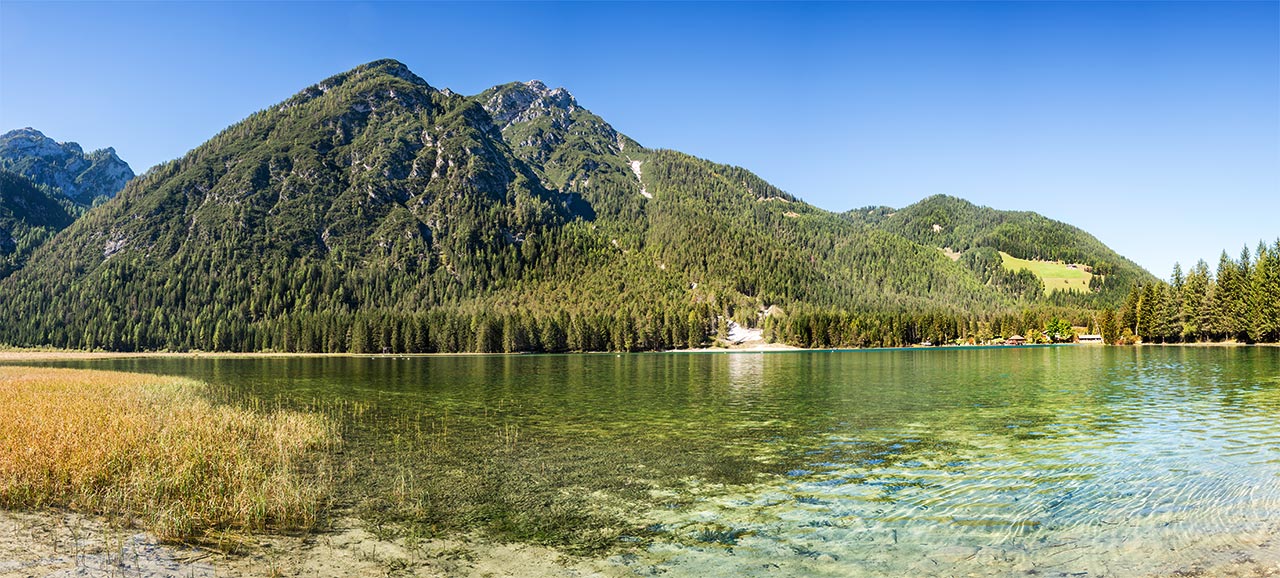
{"type": "Point", "coordinates": [65, 167]}
{"type": "Point", "coordinates": [373, 211]}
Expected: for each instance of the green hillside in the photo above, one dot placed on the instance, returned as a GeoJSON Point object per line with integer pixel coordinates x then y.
{"type": "Point", "coordinates": [372, 212]}
{"type": "Point", "coordinates": [29, 217]}
{"type": "Point", "coordinates": [942, 221]}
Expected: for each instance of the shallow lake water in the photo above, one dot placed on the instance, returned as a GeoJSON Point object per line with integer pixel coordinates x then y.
{"type": "Point", "coordinates": [1069, 460]}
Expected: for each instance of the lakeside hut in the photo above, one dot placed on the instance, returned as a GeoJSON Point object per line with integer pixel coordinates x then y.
{"type": "Point", "coordinates": [1015, 340]}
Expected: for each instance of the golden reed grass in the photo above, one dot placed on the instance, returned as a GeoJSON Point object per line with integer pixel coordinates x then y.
{"type": "Point", "coordinates": [148, 450]}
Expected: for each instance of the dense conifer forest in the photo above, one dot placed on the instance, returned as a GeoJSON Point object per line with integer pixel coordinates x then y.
{"type": "Point", "coordinates": [1238, 301]}
{"type": "Point", "coordinates": [30, 215]}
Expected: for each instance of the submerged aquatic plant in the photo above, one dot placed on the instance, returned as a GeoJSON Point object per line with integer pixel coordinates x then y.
{"type": "Point", "coordinates": [719, 534]}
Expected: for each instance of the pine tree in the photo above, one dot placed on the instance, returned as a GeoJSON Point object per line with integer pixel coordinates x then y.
{"type": "Point", "coordinates": [510, 343]}
{"type": "Point", "coordinates": [1167, 318]}
{"type": "Point", "coordinates": [1110, 327]}
{"type": "Point", "coordinates": [1129, 312]}
{"type": "Point", "coordinates": [1243, 306]}
{"type": "Point", "coordinates": [1264, 310]}
{"type": "Point", "coordinates": [1173, 318]}
{"type": "Point", "coordinates": [694, 332]}
{"type": "Point", "coordinates": [1229, 299]}
{"type": "Point", "coordinates": [1193, 295]}
{"type": "Point", "coordinates": [1148, 311]}
{"type": "Point", "coordinates": [360, 336]}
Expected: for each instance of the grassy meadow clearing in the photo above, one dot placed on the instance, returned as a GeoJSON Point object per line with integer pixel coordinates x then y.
{"type": "Point", "coordinates": [148, 450]}
{"type": "Point", "coordinates": [1056, 276]}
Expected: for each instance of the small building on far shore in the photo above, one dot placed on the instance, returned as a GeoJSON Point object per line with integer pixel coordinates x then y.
{"type": "Point", "coordinates": [1015, 340]}
{"type": "Point", "coordinates": [1091, 338]}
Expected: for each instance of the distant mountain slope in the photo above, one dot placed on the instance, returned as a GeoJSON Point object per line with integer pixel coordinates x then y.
{"type": "Point", "coordinates": [372, 211]}
{"type": "Point", "coordinates": [943, 221]}
{"type": "Point", "coordinates": [716, 226]}
{"type": "Point", "coordinates": [28, 218]}
{"type": "Point", "coordinates": [64, 167]}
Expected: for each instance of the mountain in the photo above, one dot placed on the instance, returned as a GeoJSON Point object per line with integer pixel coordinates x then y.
{"type": "Point", "coordinates": [28, 218]}
{"type": "Point", "coordinates": [973, 231]}
{"type": "Point", "coordinates": [64, 167]}
{"type": "Point", "coordinates": [372, 211]}
{"type": "Point", "coordinates": [716, 226]}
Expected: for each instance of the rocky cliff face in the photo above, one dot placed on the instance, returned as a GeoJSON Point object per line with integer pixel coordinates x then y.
{"type": "Point", "coordinates": [83, 178]}
{"type": "Point", "coordinates": [567, 145]}
{"type": "Point", "coordinates": [526, 101]}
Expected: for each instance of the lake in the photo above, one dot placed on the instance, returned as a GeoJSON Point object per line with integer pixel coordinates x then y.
{"type": "Point", "coordinates": [1006, 461]}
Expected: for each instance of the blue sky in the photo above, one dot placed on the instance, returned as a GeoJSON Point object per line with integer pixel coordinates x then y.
{"type": "Point", "coordinates": [1154, 126]}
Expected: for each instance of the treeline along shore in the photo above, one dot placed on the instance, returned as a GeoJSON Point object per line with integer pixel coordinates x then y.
{"type": "Point", "coordinates": [1240, 302]}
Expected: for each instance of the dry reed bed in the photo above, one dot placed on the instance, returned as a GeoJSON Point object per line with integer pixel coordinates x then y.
{"type": "Point", "coordinates": [148, 450]}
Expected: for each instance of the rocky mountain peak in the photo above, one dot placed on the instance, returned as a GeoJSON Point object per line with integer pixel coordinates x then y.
{"type": "Point", "coordinates": [30, 142]}
{"type": "Point", "coordinates": [394, 68]}
{"type": "Point", "coordinates": [557, 97]}
{"type": "Point", "coordinates": [524, 101]}
{"type": "Point", "coordinates": [64, 166]}
{"type": "Point", "coordinates": [378, 82]}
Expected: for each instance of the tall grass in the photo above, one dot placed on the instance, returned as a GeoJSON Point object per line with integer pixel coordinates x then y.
{"type": "Point", "coordinates": [149, 450]}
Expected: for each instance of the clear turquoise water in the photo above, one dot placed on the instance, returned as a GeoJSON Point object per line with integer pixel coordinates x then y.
{"type": "Point", "coordinates": [1049, 461]}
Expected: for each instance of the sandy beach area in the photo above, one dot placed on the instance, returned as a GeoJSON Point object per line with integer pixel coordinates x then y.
{"type": "Point", "coordinates": [64, 545]}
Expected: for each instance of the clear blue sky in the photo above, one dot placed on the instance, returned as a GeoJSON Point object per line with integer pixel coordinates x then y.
{"type": "Point", "coordinates": [1155, 126]}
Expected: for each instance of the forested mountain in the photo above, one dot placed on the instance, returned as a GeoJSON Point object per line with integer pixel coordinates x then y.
{"type": "Point", "coordinates": [716, 226]}
{"type": "Point", "coordinates": [86, 179]}
{"type": "Point", "coordinates": [29, 216]}
{"type": "Point", "coordinates": [947, 222]}
{"type": "Point", "coordinates": [374, 212]}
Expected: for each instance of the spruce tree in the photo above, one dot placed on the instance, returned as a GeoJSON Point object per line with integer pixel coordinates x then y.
{"type": "Point", "coordinates": [1264, 310]}
{"type": "Point", "coordinates": [1110, 326]}
{"type": "Point", "coordinates": [1229, 298]}
{"type": "Point", "coordinates": [1129, 312]}
{"type": "Point", "coordinates": [1148, 312]}
{"type": "Point", "coordinates": [1192, 300]}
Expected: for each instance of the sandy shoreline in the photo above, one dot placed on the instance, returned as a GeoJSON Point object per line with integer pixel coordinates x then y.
{"type": "Point", "coordinates": [65, 544]}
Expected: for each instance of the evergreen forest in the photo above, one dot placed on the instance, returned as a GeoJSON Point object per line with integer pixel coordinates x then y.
{"type": "Point", "coordinates": [1239, 300]}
